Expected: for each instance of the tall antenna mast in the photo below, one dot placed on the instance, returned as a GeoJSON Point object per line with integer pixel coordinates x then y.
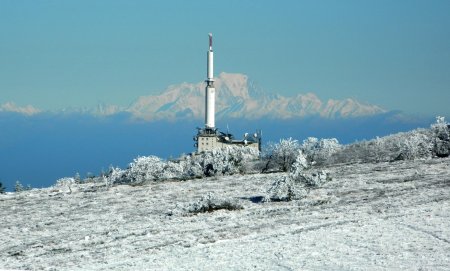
{"type": "Point", "coordinates": [210, 90]}
{"type": "Point", "coordinates": [210, 41]}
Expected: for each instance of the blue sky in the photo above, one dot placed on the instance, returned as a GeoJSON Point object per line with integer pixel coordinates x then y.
{"type": "Point", "coordinates": [57, 54]}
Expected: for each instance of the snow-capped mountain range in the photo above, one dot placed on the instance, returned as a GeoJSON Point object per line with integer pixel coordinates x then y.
{"type": "Point", "coordinates": [239, 97]}
{"type": "Point", "coordinates": [236, 97]}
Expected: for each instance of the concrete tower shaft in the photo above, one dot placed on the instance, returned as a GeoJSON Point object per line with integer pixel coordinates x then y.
{"type": "Point", "coordinates": [210, 98]}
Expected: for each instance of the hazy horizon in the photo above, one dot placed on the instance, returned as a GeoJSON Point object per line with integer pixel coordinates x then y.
{"type": "Point", "coordinates": [59, 54]}
{"type": "Point", "coordinates": [81, 54]}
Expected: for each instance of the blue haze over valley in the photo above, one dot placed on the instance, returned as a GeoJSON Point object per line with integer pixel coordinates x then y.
{"type": "Point", "coordinates": [89, 84]}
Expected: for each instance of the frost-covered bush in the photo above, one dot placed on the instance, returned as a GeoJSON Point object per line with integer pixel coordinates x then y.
{"type": "Point", "coordinates": [282, 154]}
{"type": "Point", "coordinates": [65, 184]}
{"type": "Point", "coordinates": [298, 174]}
{"type": "Point", "coordinates": [441, 142]}
{"type": "Point", "coordinates": [211, 202]}
{"type": "Point", "coordinates": [148, 168]}
{"type": "Point", "coordinates": [193, 167]}
{"type": "Point", "coordinates": [314, 179]}
{"type": "Point", "coordinates": [115, 175]}
{"type": "Point", "coordinates": [416, 144]}
{"type": "Point", "coordinates": [296, 184]}
{"type": "Point", "coordinates": [285, 188]}
{"type": "Point", "coordinates": [145, 168]}
{"type": "Point", "coordinates": [300, 163]}
{"type": "Point", "coordinates": [18, 187]}
{"type": "Point", "coordinates": [319, 151]}
{"type": "Point", "coordinates": [223, 161]}
{"type": "Point", "coordinates": [441, 129]}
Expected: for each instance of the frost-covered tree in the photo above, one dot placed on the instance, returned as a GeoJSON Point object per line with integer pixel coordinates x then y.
{"type": "Point", "coordinates": [193, 167]}
{"type": "Point", "coordinates": [65, 184]}
{"type": "Point", "coordinates": [18, 187]}
{"type": "Point", "coordinates": [285, 188]}
{"type": "Point", "coordinates": [145, 168]}
{"type": "Point", "coordinates": [441, 128]}
{"type": "Point", "coordinates": [297, 183]}
{"type": "Point", "coordinates": [114, 176]}
{"type": "Point", "coordinates": [282, 154]}
{"type": "Point", "coordinates": [415, 144]}
{"type": "Point", "coordinates": [320, 150]}
{"type": "Point", "coordinates": [211, 202]}
{"type": "Point", "coordinates": [298, 174]}
{"type": "Point", "coordinates": [441, 141]}
{"type": "Point", "coordinates": [300, 163]}
{"type": "Point", "coordinates": [225, 161]}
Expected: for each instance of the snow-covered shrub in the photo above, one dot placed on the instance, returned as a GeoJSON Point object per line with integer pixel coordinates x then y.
{"type": "Point", "coordinates": [441, 148]}
{"type": "Point", "coordinates": [152, 168]}
{"type": "Point", "coordinates": [416, 144]}
{"type": "Point", "coordinates": [285, 188]}
{"type": "Point", "coordinates": [282, 154]}
{"type": "Point", "coordinates": [173, 170]}
{"type": "Point", "coordinates": [441, 142]}
{"type": "Point", "coordinates": [192, 167]}
{"type": "Point", "coordinates": [115, 175]}
{"type": "Point", "coordinates": [144, 168]}
{"type": "Point", "coordinates": [314, 179]}
{"type": "Point", "coordinates": [223, 161]}
{"type": "Point", "coordinates": [298, 175]}
{"type": "Point", "coordinates": [296, 184]}
{"type": "Point", "coordinates": [440, 129]}
{"type": "Point", "coordinates": [300, 163]}
{"type": "Point", "coordinates": [65, 184]}
{"type": "Point", "coordinates": [319, 151]}
{"type": "Point", "coordinates": [211, 202]}
{"type": "Point", "coordinates": [18, 187]}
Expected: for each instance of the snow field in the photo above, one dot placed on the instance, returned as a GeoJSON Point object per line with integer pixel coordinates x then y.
{"type": "Point", "coordinates": [384, 216]}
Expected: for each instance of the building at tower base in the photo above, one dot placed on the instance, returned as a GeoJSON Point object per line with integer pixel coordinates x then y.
{"type": "Point", "coordinates": [207, 140]}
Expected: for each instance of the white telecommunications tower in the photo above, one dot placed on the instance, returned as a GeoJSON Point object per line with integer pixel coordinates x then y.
{"type": "Point", "coordinates": [210, 138]}
{"type": "Point", "coordinates": [210, 90]}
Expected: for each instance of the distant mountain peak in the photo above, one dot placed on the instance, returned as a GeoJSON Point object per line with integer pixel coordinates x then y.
{"type": "Point", "coordinates": [28, 110]}
{"type": "Point", "coordinates": [238, 97]}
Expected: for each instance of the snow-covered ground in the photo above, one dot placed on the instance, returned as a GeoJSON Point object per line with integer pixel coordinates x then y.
{"type": "Point", "coordinates": [393, 216]}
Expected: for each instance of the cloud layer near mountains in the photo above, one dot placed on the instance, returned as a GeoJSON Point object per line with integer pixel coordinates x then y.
{"type": "Point", "coordinates": [236, 97]}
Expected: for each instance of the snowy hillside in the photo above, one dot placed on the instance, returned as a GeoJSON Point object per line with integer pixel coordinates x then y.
{"type": "Point", "coordinates": [379, 216]}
